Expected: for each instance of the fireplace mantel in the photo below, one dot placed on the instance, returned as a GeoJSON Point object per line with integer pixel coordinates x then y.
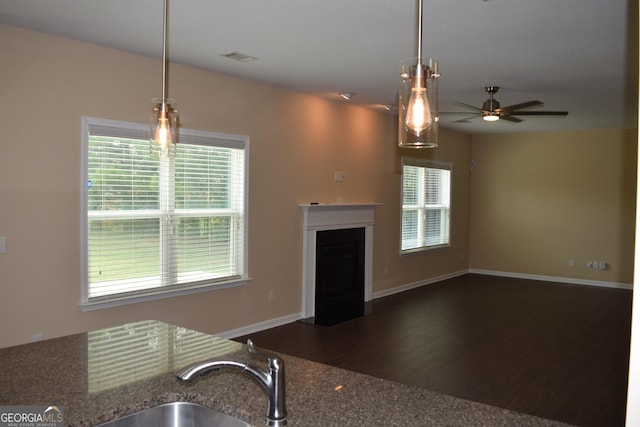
{"type": "Point", "coordinates": [318, 217]}
{"type": "Point", "coordinates": [330, 217]}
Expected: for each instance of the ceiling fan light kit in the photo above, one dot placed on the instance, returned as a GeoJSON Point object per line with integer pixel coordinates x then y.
{"type": "Point", "coordinates": [418, 99]}
{"type": "Point", "coordinates": [490, 107]}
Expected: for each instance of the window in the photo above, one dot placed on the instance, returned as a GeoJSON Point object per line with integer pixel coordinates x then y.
{"type": "Point", "coordinates": [426, 204]}
{"type": "Point", "coordinates": [156, 226]}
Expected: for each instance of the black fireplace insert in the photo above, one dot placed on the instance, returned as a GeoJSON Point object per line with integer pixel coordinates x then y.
{"type": "Point", "coordinates": [340, 258]}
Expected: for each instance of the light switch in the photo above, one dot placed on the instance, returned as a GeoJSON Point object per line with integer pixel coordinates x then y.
{"type": "Point", "coordinates": [3, 245]}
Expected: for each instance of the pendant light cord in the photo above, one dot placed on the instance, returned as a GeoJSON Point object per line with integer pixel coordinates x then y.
{"type": "Point", "coordinates": [420, 32]}
{"type": "Point", "coordinates": [164, 54]}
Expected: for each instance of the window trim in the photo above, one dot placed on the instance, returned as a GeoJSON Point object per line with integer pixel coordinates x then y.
{"type": "Point", "coordinates": [425, 163]}
{"type": "Point", "coordinates": [138, 130]}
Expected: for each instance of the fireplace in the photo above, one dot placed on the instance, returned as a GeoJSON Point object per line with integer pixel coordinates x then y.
{"type": "Point", "coordinates": [337, 261]}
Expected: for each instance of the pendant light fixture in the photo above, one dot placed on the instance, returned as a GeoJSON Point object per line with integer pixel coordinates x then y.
{"type": "Point", "coordinates": [164, 120]}
{"type": "Point", "coordinates": [418, 99]}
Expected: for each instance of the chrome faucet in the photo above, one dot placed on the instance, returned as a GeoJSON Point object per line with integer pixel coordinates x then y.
{"type": "Point", "coordinates": [271, 381]}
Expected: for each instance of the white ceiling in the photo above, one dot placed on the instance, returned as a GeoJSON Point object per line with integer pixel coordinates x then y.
{"type": "Point", "coordinates": [569, 54]}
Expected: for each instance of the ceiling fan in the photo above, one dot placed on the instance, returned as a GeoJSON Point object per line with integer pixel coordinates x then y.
{"type": "Point", "coordinates": [491, 110]}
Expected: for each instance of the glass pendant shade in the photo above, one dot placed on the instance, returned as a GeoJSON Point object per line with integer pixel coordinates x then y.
{"type": "Point", "coordinates": [418, 102]}
{"type": "Point", "coordinates": [164, 128]}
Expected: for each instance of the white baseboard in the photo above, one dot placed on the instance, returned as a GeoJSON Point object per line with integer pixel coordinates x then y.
{"type": "Point", "coordinates": [257, 327]}
{"type": "Point", "coordinates": [569, 280]}
{"type": "Point", "coordinates": [557, 279]}
{"type": "Point", "coordinates": [418, 284]}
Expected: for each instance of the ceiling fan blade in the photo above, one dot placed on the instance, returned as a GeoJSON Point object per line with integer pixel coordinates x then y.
{"type": "Point", "coordinates": [515, 107]}
{"type": "Point", "coordinates": [465, 119]}
{"type": "Point", "coordinates": [471, 107]}
{"type": "Point", "coordinates": [509, 118]}
{"type": "Point", "coordinates": [455, 113]}
{"type": "Point", "coordinates": [539, 113]}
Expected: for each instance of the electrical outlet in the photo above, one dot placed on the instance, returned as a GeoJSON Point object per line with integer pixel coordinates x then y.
{"type": "Point", "coordinates": [572, 263]}
{"type": "Point", "coordinates": [37, 337]}
{"type": "Point", "coordinates": [272, 295]}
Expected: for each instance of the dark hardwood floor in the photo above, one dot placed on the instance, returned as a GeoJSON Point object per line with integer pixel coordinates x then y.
{"type": "Point", "coordinates": [552, 350]}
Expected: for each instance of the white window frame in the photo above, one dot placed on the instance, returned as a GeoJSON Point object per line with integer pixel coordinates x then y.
{"type": "Point", "coordinates": [141, 131]}
{"type": "Point", "coordinates": [422, 207]}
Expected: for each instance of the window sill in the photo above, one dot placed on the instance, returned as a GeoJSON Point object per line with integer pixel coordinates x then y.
{"type": "Point", "coordinates": [424, 250]}
{"type": "Point", "coordinates": [156, 295]}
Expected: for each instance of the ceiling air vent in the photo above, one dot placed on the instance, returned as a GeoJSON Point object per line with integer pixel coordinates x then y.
{"type": "Point", "coordinates": [239, 56]}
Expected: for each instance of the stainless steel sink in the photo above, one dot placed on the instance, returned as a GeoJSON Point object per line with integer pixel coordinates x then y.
{"type": "Point", "coordinates": [177, 414]}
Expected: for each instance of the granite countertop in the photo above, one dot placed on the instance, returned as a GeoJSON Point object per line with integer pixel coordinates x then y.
{"type": "Point", "coordinates": [102, 375]}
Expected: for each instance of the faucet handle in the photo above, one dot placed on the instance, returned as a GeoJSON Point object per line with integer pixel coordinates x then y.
{"type": "Point", "coordinates": [255, 350]}
{"type": "Point", "coordinates": [270, 358]}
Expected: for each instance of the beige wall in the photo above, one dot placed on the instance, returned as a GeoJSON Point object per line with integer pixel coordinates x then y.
{"type": "Point", "coordinates": [297, 142]}
{"type": "Point", "coordinates": [539, 200]}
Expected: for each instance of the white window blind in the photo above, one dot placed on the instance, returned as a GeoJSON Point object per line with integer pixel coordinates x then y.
{"type": "Point", "coordinates": [426, 204]}
{"type": "Point", "coordinates": [157, 225]}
